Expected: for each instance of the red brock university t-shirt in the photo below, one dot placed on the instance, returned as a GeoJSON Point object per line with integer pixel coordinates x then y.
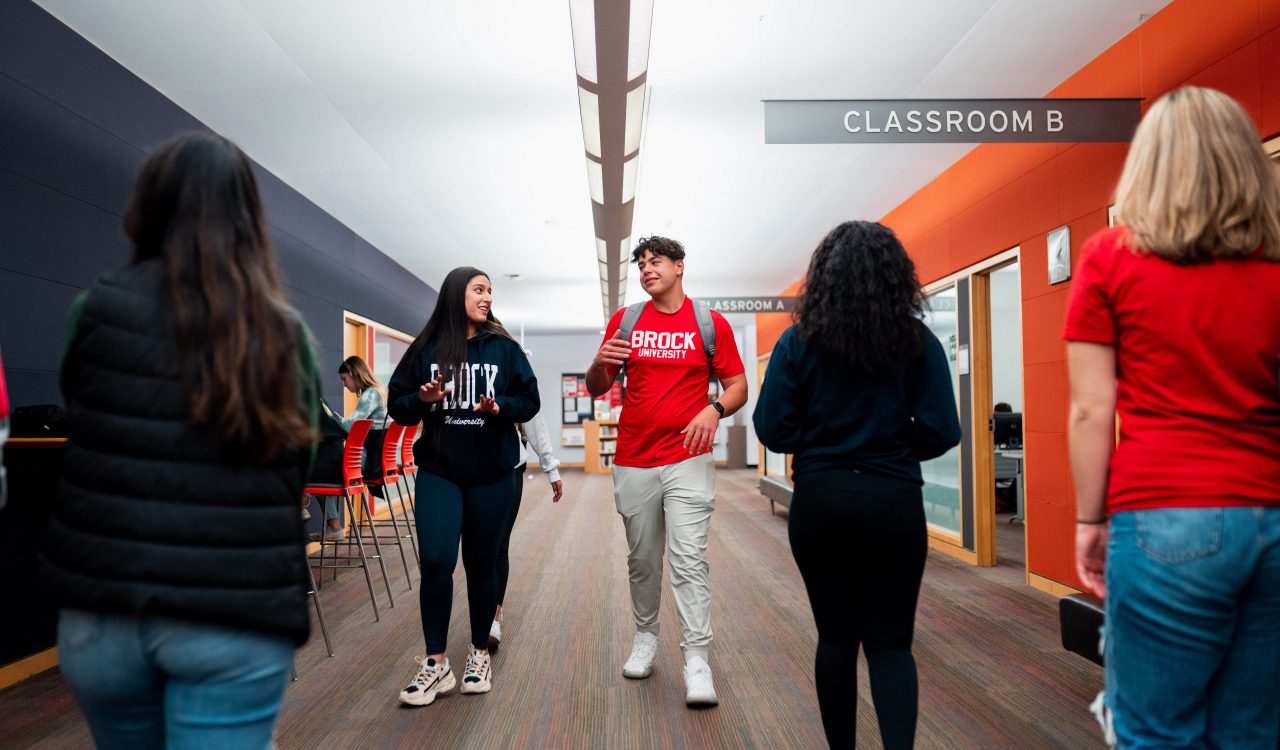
{"type": "Point", "coordinates": [667, 379]}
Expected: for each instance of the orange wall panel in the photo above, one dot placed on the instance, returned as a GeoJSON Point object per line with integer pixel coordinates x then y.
{"type": "Point", "coordinates": [1087, 175]}
{"type": "Point", "coordinates": [1238, 75]}
{"type": "Point", "coordinates": [1037, 194]}
{"type": "Point", "coordinates": [1268, 15]}
{"type": "Point", "coordinates": [1034, 270]}
{"type": "Point", "coordinates": [999, 194]}
{"type": "Point", "coordinates": [1047, 382]}
{"type": "Point", "coordinates": [1269, 65]}
{"type": "Point", "coordinates": [932, 254]}
{"type": "Point", "coordinates": [1116, 72]}
{"type": "Point", "coordinates": [1042, 329]}
{"type": "Point", "coordinates": [1051, 542]}
{"type": "Point", "coordinates": [1081, 230]}
{"type": "Point", "coordinates": [1189, 36]}
{"type": "Point", "coordinates": [1051, 469]}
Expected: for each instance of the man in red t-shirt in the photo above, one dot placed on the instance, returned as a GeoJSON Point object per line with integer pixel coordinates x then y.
{"type": "Point", "coordinates": [663, 472]}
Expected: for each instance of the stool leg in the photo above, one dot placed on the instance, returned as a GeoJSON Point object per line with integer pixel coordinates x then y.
{"type": "Point", "coordinates": [408, 522]}
{"type": "Point", "coordinates": [395, 526]}
{"type": "Point", "coordinates": [364, 562]}
{"type": "Point", "coordinates": [377, 549]}
{"type": "Point", "coordinates": [315, 597]}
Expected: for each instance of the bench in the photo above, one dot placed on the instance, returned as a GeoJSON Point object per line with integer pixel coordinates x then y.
{"type": "Point", "coordinates": [1081, 616]}
{"type": "Point", "coordinates": [778, 490]}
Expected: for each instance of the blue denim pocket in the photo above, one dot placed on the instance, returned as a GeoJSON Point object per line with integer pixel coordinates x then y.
{"type": "Point", "coordinates": [1179, 535]}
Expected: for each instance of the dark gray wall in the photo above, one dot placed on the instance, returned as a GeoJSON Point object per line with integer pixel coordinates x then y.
{"type": "Point", "coordinates": [75, 127]}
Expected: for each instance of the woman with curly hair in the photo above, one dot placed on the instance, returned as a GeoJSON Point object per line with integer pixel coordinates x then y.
{"type": "Point", "coordinates": [860, 392]}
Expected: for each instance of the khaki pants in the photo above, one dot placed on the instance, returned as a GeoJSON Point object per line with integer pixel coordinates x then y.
{"type": "Point", "coordinates": [669, 505]}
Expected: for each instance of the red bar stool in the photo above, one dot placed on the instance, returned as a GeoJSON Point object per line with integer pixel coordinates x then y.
{"type": "Point", "coordinates": [409, 469]}
{"type": "Point", "coordinates": [391, 478]}
{"type": "Point", "coordinates": [352, 486]}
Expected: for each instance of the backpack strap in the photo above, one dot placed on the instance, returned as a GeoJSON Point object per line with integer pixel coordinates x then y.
{"type": "Point", "coordinates": [706, 328]}
{"type": "Point", "coordinates": [630, 317]}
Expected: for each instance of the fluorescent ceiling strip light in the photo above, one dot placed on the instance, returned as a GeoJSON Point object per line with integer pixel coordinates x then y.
{"type": "Point", "coordinates": [595, 175]}
{"type": "Point", "coordinates": [589, 105]}
{"type": "Point", "coordinates": [638, 38]}
{"type": "Point", "coordinates": [582, 16]}
{"type": "Point", "coordinates": [602, 251]}
{"type": "Point", "coordinates": [630, 170]}
{"type": "Point", "coordinates": [635, 120]}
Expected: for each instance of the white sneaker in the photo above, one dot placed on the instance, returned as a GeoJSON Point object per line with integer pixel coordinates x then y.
{"type": "Point", "coordinates": [478, 677]}
{"type": "Point", "coordinates": [698, 687]}
{"type": "Point", "coordinates": [495, 634]}
{"type": "Point", "coordinates": [433, 679]}
{"type": "Point", "coordinates": [640, 664]}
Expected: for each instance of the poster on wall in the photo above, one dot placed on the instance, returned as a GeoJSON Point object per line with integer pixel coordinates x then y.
{"type": "Point", "coordinates": [576, 400]}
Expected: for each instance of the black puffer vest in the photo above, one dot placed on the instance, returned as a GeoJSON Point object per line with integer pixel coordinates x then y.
{"type": "Point", "coordinates": [151, 518]}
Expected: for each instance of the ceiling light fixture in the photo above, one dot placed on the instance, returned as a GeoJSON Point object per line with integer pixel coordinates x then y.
{"type": "Point", "coordinates": [611, 54]}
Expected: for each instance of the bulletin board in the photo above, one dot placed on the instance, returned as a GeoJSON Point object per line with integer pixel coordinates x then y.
{"type": "Point", "coordinates": [575, 401]}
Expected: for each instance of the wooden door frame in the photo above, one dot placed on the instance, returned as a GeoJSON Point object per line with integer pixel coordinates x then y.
{"type": "Point", "coordinates": [982, 453]}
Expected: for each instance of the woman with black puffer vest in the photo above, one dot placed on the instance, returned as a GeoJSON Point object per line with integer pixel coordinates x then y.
{"type": "Point", "coordinates": [469, 383]}
{"type": "Point", "coordinates": [175, 548]}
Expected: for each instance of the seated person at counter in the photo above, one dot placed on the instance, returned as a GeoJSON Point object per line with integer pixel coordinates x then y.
{"type": "Point", "coordinates": [358, 378]}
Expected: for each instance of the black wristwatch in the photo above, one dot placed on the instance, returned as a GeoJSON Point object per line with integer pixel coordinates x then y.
{"type": "Point", "coordinates": [719, 408]}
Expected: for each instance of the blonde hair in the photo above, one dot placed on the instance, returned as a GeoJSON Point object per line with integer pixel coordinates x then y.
{"type": "Point", "coordinates": [1196, 184]}
{"type": "Point", "coordinates": [360, 372]}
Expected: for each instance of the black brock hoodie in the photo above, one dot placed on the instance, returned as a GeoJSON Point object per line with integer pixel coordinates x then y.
{"type": "Point", "coordinates": [458, 443]}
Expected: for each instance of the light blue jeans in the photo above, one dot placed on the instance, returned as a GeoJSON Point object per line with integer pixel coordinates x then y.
{"type": "Point", "coordinates": [1192, 641]}
{"type": "Point", "coordinates": [153, 682]}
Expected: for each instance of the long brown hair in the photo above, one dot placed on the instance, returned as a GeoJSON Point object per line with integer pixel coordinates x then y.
{"type": "Point", "coordinates": [196, 207]}
{"type": "Point", "coordinates": [1196, 184]}
{"type": "Point", "coordinates": [359, 370]}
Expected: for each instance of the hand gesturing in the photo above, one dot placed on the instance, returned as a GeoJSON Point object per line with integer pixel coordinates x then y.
{"type": "Point", "coordinates": [435, 391]}
{"type": "Point", "coordinates": [486, 404]}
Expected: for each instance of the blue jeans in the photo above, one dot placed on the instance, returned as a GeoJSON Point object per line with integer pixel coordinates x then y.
{"type": "Point", "coordinates": [1192, 641]}
{"type": "Point", "coordinates": [153, 682]}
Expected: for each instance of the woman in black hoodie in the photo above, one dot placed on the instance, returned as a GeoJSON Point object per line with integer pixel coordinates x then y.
{"type": "Point", "coordinates": [469, 383]}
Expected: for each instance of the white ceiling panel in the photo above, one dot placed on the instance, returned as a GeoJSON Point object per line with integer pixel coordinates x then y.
{"type": "Point", "coordinates": [448, 132]}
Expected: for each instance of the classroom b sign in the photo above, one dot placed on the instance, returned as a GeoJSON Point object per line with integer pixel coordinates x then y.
{"type": "Point", "coordinates": [951, 120]}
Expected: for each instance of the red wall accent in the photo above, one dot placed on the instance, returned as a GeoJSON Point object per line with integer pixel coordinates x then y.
{"type": "Point", "coordinates": [1003, 195]}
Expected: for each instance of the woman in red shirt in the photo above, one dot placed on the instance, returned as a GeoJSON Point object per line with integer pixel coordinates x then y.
{"type": "Point", "coordinates": [1174, 324]}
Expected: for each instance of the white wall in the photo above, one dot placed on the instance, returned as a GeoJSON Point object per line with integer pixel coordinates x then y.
{"type": "Point", "coordinates": [552, 355]}
{"type": "Point", "coordinates": [1006, 337]}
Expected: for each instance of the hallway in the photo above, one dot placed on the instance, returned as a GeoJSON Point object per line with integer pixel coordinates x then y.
{"type": "Point", "coordinates": [992, 672]}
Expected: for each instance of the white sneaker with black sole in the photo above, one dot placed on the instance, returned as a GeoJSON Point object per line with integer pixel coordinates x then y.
{"type": "Point", "coordinates": [640, 664]}
{"type": "Point", "coordinates": [478, 677]}
{"type": "Point", "coordinates": [699, 690]}
{"type": "Point", "coordinates": [495, 634]}
{"type": "Point", "coordinates": [434, 678]}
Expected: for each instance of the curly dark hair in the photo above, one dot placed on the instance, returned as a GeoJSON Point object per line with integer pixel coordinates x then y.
{"type": "Point", "coordinates": [658, 246]}
{"type": "Point", "coordinates": [861, 303]}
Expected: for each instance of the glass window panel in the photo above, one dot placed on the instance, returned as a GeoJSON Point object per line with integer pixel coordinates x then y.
{"type": "Point", "coordinates": [942, 474]}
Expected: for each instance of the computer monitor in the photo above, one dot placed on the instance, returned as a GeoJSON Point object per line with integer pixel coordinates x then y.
{"type": "Point", "coordinates": [1008, 429]}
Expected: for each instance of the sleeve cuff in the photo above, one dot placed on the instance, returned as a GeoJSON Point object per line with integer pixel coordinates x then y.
{"type": "Point", "coordinates": [1089, 335]}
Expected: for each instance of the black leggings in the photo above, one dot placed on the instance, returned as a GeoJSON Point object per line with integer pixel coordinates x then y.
{"type": "Point", "coordinates": [504, 561]}
{"type": "Point", "coordinates": [476, 514]}
{"type": "Point", "coordinates": [860, 542]}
